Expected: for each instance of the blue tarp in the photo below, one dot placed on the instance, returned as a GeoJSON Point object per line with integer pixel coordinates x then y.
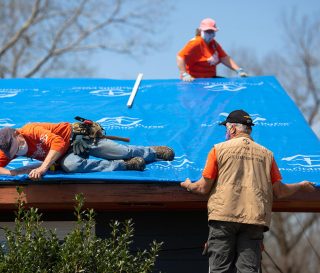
{"type": "Point", "coordinates": [182, 115]}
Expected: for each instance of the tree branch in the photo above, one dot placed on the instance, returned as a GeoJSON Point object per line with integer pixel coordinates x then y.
{"type": "Point", "coordinates": [73, 46]}
{"type": "Point", "coordinates": [305, 226]}
{"type": "Point", "coordinates": [23, 29]}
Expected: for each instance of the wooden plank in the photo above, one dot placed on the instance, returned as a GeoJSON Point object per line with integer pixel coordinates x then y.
{"type": "Point", "coordinates": [123, 197]}
{"type": "Point", "coordinates": [101, 196]}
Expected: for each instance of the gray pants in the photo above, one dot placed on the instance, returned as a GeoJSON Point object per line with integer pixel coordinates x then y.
{"type": "Point", "coordinates": [234, 247]}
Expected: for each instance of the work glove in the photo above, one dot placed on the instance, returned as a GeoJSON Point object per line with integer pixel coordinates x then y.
{"type": "Point", "coordinates": [241, 72]}
{"type": "Point", "coordinates": [80, 146]}
{"type": "Point", "coordinates": [186, 77]}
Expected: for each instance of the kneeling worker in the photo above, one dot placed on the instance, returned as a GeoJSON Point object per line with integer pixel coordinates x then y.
{"type": "Point", "coordinates": [65, 144]}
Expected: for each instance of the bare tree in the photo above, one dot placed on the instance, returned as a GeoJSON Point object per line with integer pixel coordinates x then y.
{"type": "Point", "coordinates": [303, 55]}
{"type": "Point", "coordinates": [51, 37]}
{"type": "Point", "coordinates": [297, 66]}
{"type": "Point", "coordinates": [292, 243]}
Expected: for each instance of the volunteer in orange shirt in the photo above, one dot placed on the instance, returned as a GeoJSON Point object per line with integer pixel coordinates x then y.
{"type": "Point", "coordinates": [201, 55]}
{"type": "Point", "coordinates": [58, 142]}
{"type": "Point", "coordinates": [45, 142]}
{"type": "Point", "coordinates": [240, 178]}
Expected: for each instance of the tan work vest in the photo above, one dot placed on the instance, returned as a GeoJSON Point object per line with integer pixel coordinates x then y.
{"type": "Point", "coordinates": [243, 190]}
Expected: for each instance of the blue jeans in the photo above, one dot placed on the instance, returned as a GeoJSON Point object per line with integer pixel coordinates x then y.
{"type": "Point", "coordinates": [109, 156]}
{"type": "Point", "coordinates": [234, 247]}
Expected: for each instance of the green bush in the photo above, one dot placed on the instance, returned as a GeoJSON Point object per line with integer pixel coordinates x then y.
{"type": "Point", "coordinates": [31, 248]}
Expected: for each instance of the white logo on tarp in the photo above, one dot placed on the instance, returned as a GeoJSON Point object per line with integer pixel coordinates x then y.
{"type": "Point", "coordinates": [307, 161]}
{"type": "Point", "coordinates": [6, 122]}
{"type": "Point", "coordinates": [228, 86]}
{"type": "Point", "coordinates": [8, 93]}
{"type": "Point", "coordinates": [179, 163]}
{"type": "Point", "coordinates": [116, 91]}
{"type": "Point", "coordinates": [225, 87]}
{"type": "Point", "coordinates": [123, 122]}
{"type": "Point", "coordinates": [112, 92]}
{"type": "Point", "coordinates": [257, 119]}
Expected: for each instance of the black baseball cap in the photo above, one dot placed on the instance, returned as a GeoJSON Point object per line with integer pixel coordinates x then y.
{"type": "Point", "coordinates": [238, 116]}
{"type": "Point", "coordinates": [8, 142]}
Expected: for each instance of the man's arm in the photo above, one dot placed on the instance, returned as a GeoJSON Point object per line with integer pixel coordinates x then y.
{"type": "Point", "coordinates": [281, 190]}
{"type": "Point", "coordinates": [51, 157]}
{"type": "Point", "coordinates": [229, 62]}
{"type": "Point", "coordinates": [183, 72]}
{"type": "Point", "coordinates": [181, 64]}
{"type": "Point", "coordinates": [57, 147]}
{"type": "Point", "coordinates": [22, 170]}
{"type": "Point", "coordinates": [202, 186]}
{"type": "Point", "coordinates": [5, 171]}
{"type": "Point", "coordinates": [35, 171]}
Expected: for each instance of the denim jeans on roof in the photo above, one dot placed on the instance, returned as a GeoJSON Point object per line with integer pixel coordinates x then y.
{"type": "Point", "coordinates": [109, 157]}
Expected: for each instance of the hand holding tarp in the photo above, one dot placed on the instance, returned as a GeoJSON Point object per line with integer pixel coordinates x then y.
{"type": "Point", "coordinates": [186, 77]}
{"type": "Point", "coordinates": [242, 73]}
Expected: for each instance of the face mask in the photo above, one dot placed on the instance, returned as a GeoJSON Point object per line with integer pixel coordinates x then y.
{"type": "Point", "coordinates": [227, 135]}
{"type": "Point", "coordinates": [23, 149]}
{"type": "Point", "coordinates": [208, 36]}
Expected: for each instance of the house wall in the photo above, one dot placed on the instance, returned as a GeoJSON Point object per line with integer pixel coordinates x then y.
{"type": "Point", "coordinates": [183, 233]}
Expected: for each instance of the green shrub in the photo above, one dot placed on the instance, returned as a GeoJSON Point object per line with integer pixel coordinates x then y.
{"type": "Point", "coordinates": [31, 248]}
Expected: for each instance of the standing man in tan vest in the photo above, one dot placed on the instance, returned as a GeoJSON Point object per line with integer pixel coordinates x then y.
{"type": "Point", "coordinates": [240, 177]}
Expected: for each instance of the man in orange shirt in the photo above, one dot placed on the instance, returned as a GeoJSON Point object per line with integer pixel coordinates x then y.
{"type": "Point", "coordinates": [241, 178]}
{"type": "Point", "coordinates": [201, 55]}
{"type": "Point", "coordinates": [56, 142]}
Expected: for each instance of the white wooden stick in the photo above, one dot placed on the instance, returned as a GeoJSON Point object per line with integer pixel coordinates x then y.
{"type": "Point", "coordinates": [134, 90]}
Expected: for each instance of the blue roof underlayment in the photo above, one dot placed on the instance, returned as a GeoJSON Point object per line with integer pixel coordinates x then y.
{"type": "Point", "coordinates": [182, 115]}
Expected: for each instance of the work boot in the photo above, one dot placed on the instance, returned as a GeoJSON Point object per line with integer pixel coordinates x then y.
{"type": "Point", "coordinates": [164, 152]}
{"type": "Point", "coordinates": [135, 164]}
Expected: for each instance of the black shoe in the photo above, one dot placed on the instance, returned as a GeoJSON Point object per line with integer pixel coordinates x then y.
{"type": "Point", "coordinates": [164, 152]}
{"type": "Point", "coordinates": [135, 164]}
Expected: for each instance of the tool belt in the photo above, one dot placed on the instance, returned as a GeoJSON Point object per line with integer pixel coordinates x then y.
{"type": "Point", "coordinates": [88, 128]}
{"type": "Point", "coordinates": [92, 130]}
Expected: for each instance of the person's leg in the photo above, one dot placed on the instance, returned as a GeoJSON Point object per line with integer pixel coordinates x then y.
{"type": "Point", "coordinates": [111, 150]}
{"type": "Point", "coordinates": [221, 250]}
{"type": "Point", "coordinates": [72, 163]}
{"type": "Point", "coordinates": [249, 248]}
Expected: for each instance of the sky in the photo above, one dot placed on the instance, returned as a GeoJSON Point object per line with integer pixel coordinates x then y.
{"type": "Point", "coordinates": [250, 24]}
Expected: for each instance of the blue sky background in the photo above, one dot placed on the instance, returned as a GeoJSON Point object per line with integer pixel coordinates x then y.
{"type": "Point", "coordinates": [249, 24]}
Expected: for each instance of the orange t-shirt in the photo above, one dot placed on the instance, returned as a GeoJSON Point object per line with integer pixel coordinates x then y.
{"type": "Point", "coordinates": [211, 169]}
{"type": "Point", "coordinates": [41, 138]}
{"type": "Point", "coordinates": [201, 58]}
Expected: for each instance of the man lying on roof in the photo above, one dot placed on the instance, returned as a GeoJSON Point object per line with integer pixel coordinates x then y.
{"type": "Point", "coordinates": [65, 144]}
